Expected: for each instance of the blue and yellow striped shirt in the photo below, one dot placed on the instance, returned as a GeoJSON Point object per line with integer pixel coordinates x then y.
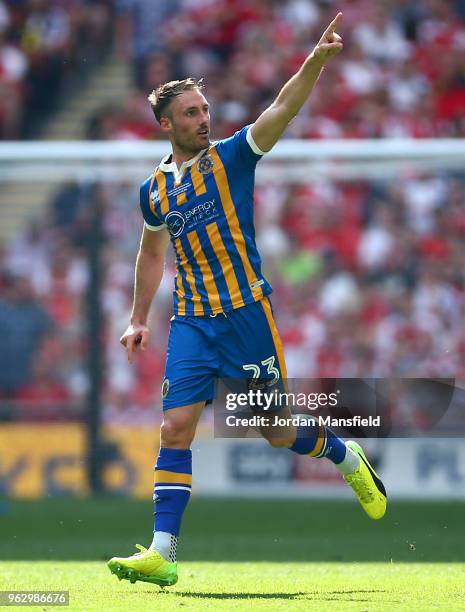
{"type": "Point", "coordinates": [207, 207]}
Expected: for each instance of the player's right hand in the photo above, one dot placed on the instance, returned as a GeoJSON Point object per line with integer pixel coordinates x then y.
{"type": "Point", "coordinates": [134, 337]}
{"type": "Point", "coordinates": [330, 44]}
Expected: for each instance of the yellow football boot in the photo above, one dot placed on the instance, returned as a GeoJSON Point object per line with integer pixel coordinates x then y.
{"type": "Point", "coordinates": [367, 485]}
{"type": "Point", "coordinates": [147, 565]}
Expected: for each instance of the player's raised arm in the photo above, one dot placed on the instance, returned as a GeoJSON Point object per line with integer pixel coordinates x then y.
{"type": "Point", "coordinates": [150, 265]}
{"type": "Point", "coordinates": [269, 127]}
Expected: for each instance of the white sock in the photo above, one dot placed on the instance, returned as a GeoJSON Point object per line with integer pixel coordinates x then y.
{"type": "Point", "coordinates": [350, 462]}
{"type": "Point", "coordinates": [165, 543]}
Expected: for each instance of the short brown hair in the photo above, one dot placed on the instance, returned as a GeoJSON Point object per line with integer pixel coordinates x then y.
{"type": "Point", "coordinates": [161, 97]}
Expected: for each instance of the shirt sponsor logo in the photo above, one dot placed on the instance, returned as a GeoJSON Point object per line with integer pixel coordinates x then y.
{"type": "Point", "coordinates": [201, 214]}
{"type": "Point", "coordinates": [205, 211]}
{"type": "Point", "coordinates": [175, 222]}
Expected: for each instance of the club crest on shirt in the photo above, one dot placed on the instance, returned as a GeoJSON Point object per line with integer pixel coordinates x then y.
{"type": "Point", "coordinates": [205, 164]}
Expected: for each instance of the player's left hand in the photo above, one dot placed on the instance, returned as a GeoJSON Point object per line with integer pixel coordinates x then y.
{"type": "Point", "coordinates": [330, 44]}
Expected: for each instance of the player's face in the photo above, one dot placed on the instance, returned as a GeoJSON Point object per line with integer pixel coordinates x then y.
{"type": "Point", "coordinates": [189, 124]}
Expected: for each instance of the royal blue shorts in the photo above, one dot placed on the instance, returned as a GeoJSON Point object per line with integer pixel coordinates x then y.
{"type": "Point", "coordinates": [240, 344]}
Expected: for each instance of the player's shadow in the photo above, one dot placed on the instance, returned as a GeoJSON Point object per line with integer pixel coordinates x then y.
{"type": "Point", "coordinates": [200, 595]}
{"type": "Point", "coordinates": [297, 595]}
{"type": "Point", "coordinates": [351, 596]}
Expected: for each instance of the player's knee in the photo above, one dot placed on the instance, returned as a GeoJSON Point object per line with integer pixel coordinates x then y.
{"type": "Point", "coordinates": [176, 433]}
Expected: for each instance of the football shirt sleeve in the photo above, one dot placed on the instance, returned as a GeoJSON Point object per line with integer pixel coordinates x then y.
{"type": "Point", "coordinates": [151, 220]}
{"type": "Point", "coordinates": [242, 148]}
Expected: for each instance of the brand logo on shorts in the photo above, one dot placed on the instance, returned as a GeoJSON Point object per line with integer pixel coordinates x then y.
{"type": "Point", "coordinates": [165, 388]}
{"type": "Point", "coordinates": [175, 222]}
{"type": "Point", "coordinates": [205, 165]}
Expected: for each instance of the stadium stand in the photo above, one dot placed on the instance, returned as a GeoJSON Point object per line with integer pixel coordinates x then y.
{"type": "Point", "coordinates": [46, 48]}
{"type": "Point", "coordinates": [401, 73]}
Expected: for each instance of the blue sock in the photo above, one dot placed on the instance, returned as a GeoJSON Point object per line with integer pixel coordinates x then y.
{"type": "Point", "coordinates": [173, 480]}
{"type": "Point", "coordinates": [319, 441]}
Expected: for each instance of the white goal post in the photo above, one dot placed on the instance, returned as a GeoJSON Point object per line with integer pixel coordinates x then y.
{"type": "Point", "coordinates": [298, 161]}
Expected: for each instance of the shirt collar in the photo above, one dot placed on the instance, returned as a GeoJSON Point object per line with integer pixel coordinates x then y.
{"type": "Point", "coordinates": [166, 166]}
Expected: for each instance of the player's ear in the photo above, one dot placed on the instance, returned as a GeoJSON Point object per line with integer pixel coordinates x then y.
{"type": "Point", "coordinates": [165, 123]}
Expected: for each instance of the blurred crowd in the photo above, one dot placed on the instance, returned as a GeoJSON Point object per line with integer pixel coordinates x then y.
{"type": "Point", "coordinates": [402, 72]}
{"type": "Point", "coordinates": [368, 275]}
{"type": "Point", "coordinates": [46, 48]}
{"type": "Point", "coordinates": [368, 279]}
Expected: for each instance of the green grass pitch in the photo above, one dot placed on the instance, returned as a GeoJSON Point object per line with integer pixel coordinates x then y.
{"type": "Point", "coordinates": [242, 555]}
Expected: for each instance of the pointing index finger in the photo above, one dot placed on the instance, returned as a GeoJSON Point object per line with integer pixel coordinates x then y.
{"type": "Point", "coordinates": [333, 25]}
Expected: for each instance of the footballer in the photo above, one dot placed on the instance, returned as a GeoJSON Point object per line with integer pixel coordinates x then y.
{"type": "Point", "coordinates": [200, 198]}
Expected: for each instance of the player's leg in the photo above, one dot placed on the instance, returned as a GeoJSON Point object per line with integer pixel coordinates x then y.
{"type": "Point", "coordinates": [188, 383]}
{"type": "Point", "coordinates": [257, 340]}
{"type": "Point", "coordinates": [173, 476]}
{"type": "Point", "coordinates": [173, 479]}
{"type": "Point", "coordinates": [311, 439]}
{"type": "Point", "coordinates": [348, 457]}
